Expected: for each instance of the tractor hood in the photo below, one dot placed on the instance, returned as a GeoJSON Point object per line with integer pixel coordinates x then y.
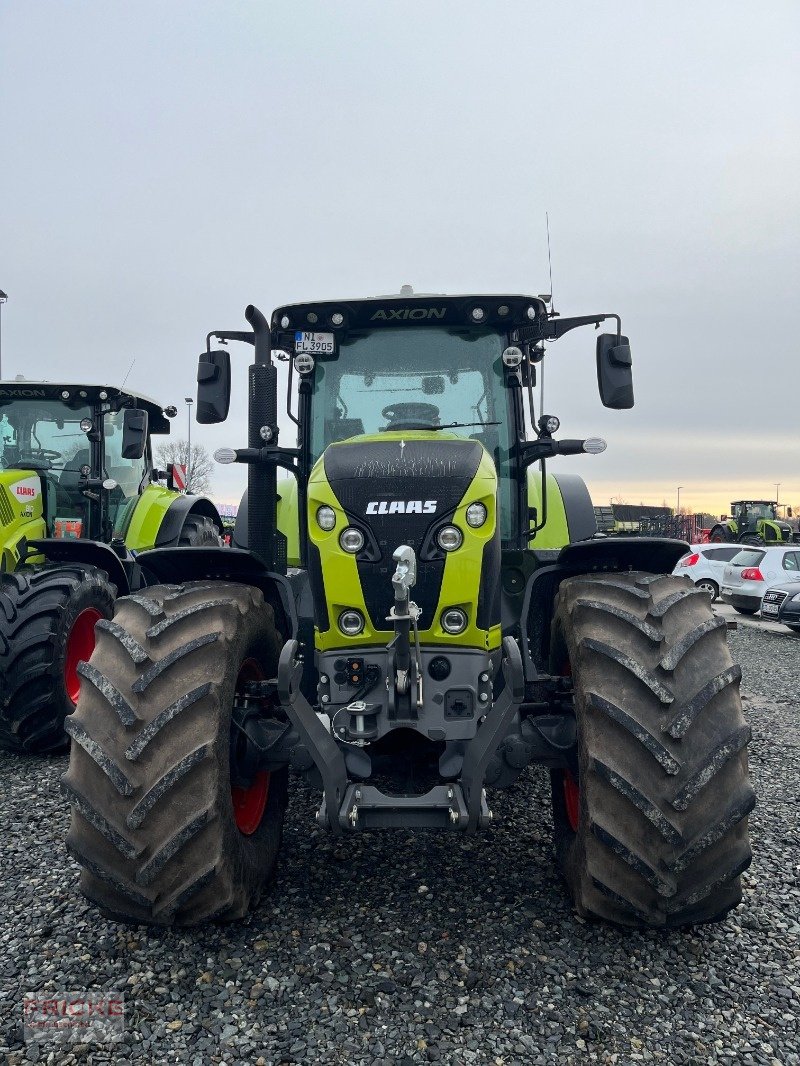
{"type": "Point", "coordinates": [418, 475]}
{"type": "Point", "coordinates": [402, 488]}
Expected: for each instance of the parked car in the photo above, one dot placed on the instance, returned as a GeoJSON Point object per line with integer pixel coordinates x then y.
{"type": "Point", "coordinates": [705, 565]}
{"type": "Point", "coordinates": [782, 602]}
{"type": "Point", "coordinates": [754, 570]}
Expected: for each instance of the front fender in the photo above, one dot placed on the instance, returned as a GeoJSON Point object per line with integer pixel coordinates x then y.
{"type": "Point", "coordinates": [89, 553]}
{"type": "Point", "coordinates": [159, 517]}
{"type": "Point", "coordinates": [176, 565]}
{"type": "Point", "coordinates": [653, 555]}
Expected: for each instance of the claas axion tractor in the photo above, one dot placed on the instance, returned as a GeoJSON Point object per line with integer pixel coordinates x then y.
{"type": "Point", "coordinates": [78, 500]}
{"type": "Point", "coordinates": [412, 618]}
{"type": "Point", "coordinates": [753, 522]}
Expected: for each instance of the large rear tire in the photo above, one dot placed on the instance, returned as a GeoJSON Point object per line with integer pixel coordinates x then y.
{"type": "Point", "coordinates": [654, 831]}
{"type": "Point", "coordinates": [47, 621]}
{"type": "Point", "coordinates": [161, 835]}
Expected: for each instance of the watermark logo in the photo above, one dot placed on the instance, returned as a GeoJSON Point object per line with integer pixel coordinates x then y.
{"type": "Point", "coordinates": [74, 1017]}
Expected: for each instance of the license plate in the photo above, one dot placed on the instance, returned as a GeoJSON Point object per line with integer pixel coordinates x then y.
{"type": "Point", "coordinates": [313, 343]}
{"type": "Point", "coordinates": [726, 592]}
{"type": "Point", "coordinates": [769, 608]}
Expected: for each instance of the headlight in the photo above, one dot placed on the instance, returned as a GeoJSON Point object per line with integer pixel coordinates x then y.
{"type": "Point", "coordinates": [476, 515]}
{"type": "Point", "coordinates": [449, 538]}
{"type": "Point", "coordinates": [796, 596]}
{"type": "Point", "coordinates": [87, 425]}
{"type": "Point", "coordinates": [352, 540]}
{"type": "Point", "coordinates": [351, 622]}
{"type": "Point", "coordinates": [326, 517]}
{"type": "Point", "coordinates": [454, 620]}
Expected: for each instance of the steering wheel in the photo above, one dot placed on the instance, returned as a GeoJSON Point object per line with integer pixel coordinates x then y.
{"type": "Point", "coordinates": [411, 415]}
{"type": "Point", "coordinates": [44, 455]}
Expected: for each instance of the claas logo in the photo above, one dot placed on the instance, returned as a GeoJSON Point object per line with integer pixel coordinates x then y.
{"type": "Point", "coordinates": [402, 506]}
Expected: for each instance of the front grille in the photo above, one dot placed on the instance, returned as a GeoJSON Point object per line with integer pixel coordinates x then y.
{"type": "Point", "coordinates": [775, 597]}
{"type": "Point", "coordinates": [6, 512]}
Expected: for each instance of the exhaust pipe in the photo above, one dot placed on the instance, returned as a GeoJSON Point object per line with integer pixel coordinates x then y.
{"type": "Point", "coordinates": [262, 480]}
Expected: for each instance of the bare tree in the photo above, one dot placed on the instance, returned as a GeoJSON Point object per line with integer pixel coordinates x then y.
{"type": "Point", "coordinates": [198, 470]}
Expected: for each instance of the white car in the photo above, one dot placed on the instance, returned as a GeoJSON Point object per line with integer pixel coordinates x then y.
{"type": "Point", "coordinates": [753, 570]}
{"type": "Point", "coordinates": [705, 565]}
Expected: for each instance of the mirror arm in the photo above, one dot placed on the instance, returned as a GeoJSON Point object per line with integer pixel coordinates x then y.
{"type": "Point", "coordinates": [557, 327]}
{"type": "Point", "coordinates": [229, 335]}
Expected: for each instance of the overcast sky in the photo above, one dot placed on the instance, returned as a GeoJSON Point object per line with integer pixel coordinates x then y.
{"type": "Point", "coordinates": [164, 164]}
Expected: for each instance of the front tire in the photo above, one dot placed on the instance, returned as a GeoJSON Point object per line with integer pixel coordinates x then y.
{"type": "Point", "coordinates": [199, 532]}
{"type": "Point", "coordinates": [752, 540]}
{"type": "Point", "coordinates": [654, 831]}
{"type": "Point", "coordinates": [746, 610]}
{"type": "Point", "coordinates": [160, 833]}
{"type": "Point", "coordinates": [47, 621]}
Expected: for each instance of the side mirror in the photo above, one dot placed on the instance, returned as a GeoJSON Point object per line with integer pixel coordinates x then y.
{"type": "Point", "coordinates": [134, 433]}
{"type": "Point", "coordinates": [614, 371]}
{"type": "Point", "coordinates": [213, 387]}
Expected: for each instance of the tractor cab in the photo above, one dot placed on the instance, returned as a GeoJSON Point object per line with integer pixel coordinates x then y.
{"type": "Point", "coordinates": [747, 513]}
{"type": "Point", "coordinates": [73, 460]}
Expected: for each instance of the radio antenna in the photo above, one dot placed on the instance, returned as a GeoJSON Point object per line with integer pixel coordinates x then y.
{"type": "Point", "coordinates": [122, 386]}
{"type": "Point", "coordinates": [549, 258]}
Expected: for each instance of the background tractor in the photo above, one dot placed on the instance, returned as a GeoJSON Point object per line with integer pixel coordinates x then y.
{"type": "Point", "coordinates": [77, 500]}
{"type": "Point", "coordinates": [422, 615]}
{"type": "Point", "coordinates": [752, 522]}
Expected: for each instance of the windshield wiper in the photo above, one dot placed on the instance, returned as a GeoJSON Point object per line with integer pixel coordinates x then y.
{"type": "Point", "coordinates": [464, 425]}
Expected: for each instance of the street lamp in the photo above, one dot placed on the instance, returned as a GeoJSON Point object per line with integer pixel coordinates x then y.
{"type": "Point", "coordinates": [189, 402]}
{"type": "Point", "coordinates": [678, 506]}
{"type": "Point", "coordinates": [3, 298]}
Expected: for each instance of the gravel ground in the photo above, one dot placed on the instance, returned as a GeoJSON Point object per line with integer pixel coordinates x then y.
{"type": "Point", "coordinates": [394, 948]}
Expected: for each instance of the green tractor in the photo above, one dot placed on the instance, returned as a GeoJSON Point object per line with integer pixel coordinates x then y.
{"type": "Point", "coordinates": [407, 624]}
{"type": "Point", "coordinates": [752, 522]}
{"type": "Point", "coordinates": [77, 503]}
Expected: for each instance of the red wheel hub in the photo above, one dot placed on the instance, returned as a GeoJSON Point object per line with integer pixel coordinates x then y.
{"type": "Point", "coordinates": [250, 803]}
{"type": "Point", "coordinates": [79, 648]}
{"type": "Point", "coordinates": [572, 801]}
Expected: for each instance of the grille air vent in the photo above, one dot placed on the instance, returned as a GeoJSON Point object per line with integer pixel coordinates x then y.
{"type": "Point", "coordinates": [6, 511]}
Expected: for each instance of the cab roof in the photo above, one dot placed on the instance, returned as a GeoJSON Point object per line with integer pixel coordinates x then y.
{"type": "Point", "coordinates": [477, 311]}
{"type": "Point", "coordinates": [81, 394]}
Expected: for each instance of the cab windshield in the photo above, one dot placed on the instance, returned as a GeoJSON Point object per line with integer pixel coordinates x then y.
{"type": "Point", "coordinates": [418, 379]}
{"type": "Point", "coordinates": [756, 510]}
{"type": "Point", "coordinates": [45, 434]}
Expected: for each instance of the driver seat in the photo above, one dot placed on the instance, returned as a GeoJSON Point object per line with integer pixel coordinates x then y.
{"type": "Point", "coordinates": [68, 483]}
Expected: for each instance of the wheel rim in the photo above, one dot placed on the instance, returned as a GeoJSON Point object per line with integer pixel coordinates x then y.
{"type": "Point", "coordinates": [80, 645]}
{"type": "Point", "coordinates": [572, 792]}
{"type": "Point", "coordinates": [572, 800]}
{"type": "Point", "coordinates": [706, 586]}
{"type": "Point", "coordinates": [250, 803]}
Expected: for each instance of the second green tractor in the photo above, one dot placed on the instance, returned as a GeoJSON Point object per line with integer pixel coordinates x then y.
{"type": "Point", "coordinates": [79, 500]}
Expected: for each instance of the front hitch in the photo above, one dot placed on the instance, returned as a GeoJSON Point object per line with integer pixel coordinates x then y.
{"type": "Point", "coordinates": [403, 616]}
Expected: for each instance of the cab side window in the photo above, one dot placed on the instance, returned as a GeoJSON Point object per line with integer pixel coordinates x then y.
{"type": "Point", "coordinates": [129, 474]}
